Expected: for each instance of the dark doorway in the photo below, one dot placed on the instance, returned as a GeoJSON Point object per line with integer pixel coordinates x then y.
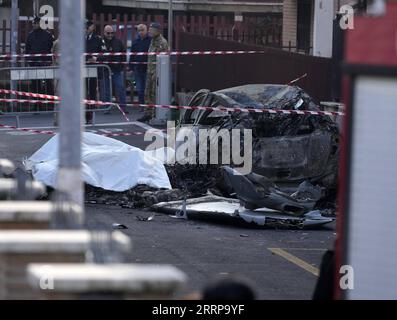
{"type": "Point", "coordinates": [304, 21]}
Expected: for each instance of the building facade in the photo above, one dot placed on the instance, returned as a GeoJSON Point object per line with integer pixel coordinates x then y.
{"type": "Point", "coordinates": [308, 24]}
{"type": "Point", "coordinates": [230, 6]}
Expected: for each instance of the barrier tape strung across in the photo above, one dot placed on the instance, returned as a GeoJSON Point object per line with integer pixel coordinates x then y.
{"type": "Point", "coordinates": [96, 62]}
{"type": "Point", "coordinates": [90, 102]}
{"type": "Point", "coordinates": [49, 132]}
{"type": "Point", "coordinates": [224, 109]}
{"type": "Point", "coordinates": [42, 96]}
{"type": "Point", "coordinates": [122, 112]}
{"type": "Point", "coordinates": [30, 94]}
{"type": "Point", "coordinates": [297, 79]}
{"type": "Point", "coordinates": [173, 53]}
{"type": "Point", "coordinates": [52, 100]}
{"type": "Point", "coordinates": [40, 102]}
{"type": "Point", "coordinates": [29, 101]}
{"type": "Point", "coordinates": [248, 110]}
{"type": "Point", "coordinates": [27, 130]}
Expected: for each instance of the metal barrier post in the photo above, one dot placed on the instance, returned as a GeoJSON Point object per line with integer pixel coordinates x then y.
{"type": "Point", "coordinates": [71, 111]}
{"type": "Point", "coordinates": [163, 88]}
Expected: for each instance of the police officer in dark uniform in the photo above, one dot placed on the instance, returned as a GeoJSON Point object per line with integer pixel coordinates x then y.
{"type": "Point", "coordinates": [94, 43]}
{"type": "Point", "coordinates": [40, 41]}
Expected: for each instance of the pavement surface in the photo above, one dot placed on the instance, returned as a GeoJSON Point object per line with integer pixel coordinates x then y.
{"type": "Point", "coordinates": [280, 264]}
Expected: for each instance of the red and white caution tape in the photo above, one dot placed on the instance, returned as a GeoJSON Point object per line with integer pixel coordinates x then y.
{"type": "Point", "coordinates": [53, 100]}
{"type": "Point", "coordinates": [297, 79]}
{"type": "Point", "coordinates": [23, 101]}
{"type": "Point", "coordinates": [41, 96]}
{"type": "Point", "coordinates": [29, 101]}
{"type": "Point", "coordinates": [27, 130]}
{"type": "Point", "coordinates": [40, 102]}
{"type": "Point", "coordinates": [249, 110]}
{"type": "Point", "coordinates": [122, 112]}
{"type": "Point", "coordinates": [174, 53]}
{"type": "Point", "coordinates": [29, 94]}
{"type": "Point", "coordinates": [98, 62]}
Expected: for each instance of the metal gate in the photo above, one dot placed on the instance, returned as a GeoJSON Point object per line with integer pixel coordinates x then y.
{"type": "Point", "coordinates": [45, 80]}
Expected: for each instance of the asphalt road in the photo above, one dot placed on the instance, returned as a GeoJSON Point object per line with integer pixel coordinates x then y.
{"type": "Point", "coordinates": [281, 264]}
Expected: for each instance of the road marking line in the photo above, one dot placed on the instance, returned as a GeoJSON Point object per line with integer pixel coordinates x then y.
{"type": "Point", "coordinates": [147, 128]}
{"type": "Point", "coordinates": [144, 126]}
{"type": "Point", "coordinates": [305, 249]}
{"type": "Point", "coordinates": [295, 260]}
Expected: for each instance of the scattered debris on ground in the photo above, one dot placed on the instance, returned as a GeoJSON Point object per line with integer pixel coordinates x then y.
{"type": "Point", "coordinates": [190, 181]}
{"type": "Point", "coordinates": [255, 191]}
{"type": "Point", "coordinates": [214, 207]}
{"type": "Point", "coordinates": [187, 181]}
{"type": "Point", "coordinates": [119, 226]}
{"type": "Point", "coordinates": [141, 196]}
{"type": "Point", "coordinates": [295, 165]}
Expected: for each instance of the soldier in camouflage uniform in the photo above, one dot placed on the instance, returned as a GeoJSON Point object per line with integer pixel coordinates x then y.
{"type": "Point", "coordinates": [158, 44]}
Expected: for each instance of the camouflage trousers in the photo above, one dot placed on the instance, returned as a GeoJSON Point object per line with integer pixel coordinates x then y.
{"type": "Point", "coordinates": [150, 93]}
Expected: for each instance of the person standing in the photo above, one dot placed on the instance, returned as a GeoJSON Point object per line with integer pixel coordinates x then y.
{"type": "Point", "coordinates": [158, 44]}
{"type": "Point", "coordinates": [40, 41]}
{"type": "Point", "coordinates": [114, 45]}
{"type": "Point", "coordinates": [140, 44]}
{"type": "Point", "coordinates": [94, 44]}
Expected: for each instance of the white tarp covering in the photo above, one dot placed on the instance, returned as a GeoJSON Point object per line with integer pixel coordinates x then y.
{"type": "Point", "coordinates": [106, 163]}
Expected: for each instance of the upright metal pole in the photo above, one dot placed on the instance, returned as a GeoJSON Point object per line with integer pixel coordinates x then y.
{"type": "Point", "coordinates": [163, 88]}
{"type": "Point", "coordinates": [170, 23]}
{"type": "Point", "coordinates": [14, 38]}
{"type": "Point", "coordinates": [71, 90]}
{"type": "Point", "coordinates": [35, 7]}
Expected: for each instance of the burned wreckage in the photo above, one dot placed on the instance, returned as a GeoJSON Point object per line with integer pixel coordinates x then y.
{"type": "Point", "coordinates": [294, 162]}
{"type": "Point", "coordinates": [286, 148]}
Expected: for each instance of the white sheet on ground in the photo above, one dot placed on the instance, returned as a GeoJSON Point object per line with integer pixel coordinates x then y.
{"type": "Point", "coordinates": [106, 163]}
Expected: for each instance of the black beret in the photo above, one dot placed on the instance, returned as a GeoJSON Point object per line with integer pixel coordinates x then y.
{"type": "Point", "coordinates": [89, 23]}
{"type": "Point", "coordinates": [155, 25]}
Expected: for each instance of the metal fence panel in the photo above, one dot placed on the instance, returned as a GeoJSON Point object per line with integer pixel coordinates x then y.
{"type": "Point", "coordinates": [44, 80]}
{"type": "Point", "coordinates": [274, 66]}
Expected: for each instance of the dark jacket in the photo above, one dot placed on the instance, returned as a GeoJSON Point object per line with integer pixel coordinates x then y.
{"type": "Point", "coordinates": [39, 41]}
{"type": "Point", "coordinates": [93, 44]}
{"type": "Point", "coordinates": [115, 45]}
{"type": "Point", "coordinates": [140, 45]}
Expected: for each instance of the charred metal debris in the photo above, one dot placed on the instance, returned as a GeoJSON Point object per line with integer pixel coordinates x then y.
{"type": "Point", "coordinates": [295, 157]}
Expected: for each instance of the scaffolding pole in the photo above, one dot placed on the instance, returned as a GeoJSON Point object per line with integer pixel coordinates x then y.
{"type": "Point", "coordinates": [71, 110]}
